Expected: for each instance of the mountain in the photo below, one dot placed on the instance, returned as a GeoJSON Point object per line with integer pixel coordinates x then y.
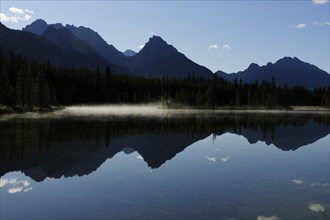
{"type": "Point", "coordinates": [157, 58]}
{"type": "Point", "coordinates": [65, 39]}
{"type": "Point", "coordinates": [58, 46]}
{"type": "Point", "coordinates": [109, 52]}
{"type": "Point", "coordinates": [288, 70]}
{"type": "Point", "coordinates": [38, 49]}
{"type": "Point", "coordinates": [37, 27]}
{"type": "Point", "coordinates": [84, 34]}
{"type": "Point", "coordinates": [129, 53]}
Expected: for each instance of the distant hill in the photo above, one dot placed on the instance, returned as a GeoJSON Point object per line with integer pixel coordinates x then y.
{"type": "Point", "coordinates": [289, 71]}
{"type": "Point", "coordinates": [157, 58]}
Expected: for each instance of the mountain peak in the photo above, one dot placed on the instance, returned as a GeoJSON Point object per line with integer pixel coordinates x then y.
{"type": "Point", "coordinates": [288, 60]}
{"type": "Point", "coordinates": [253, 66]}
{"type": "Point", "coordinates": [157, 40]}
{"type": "Point", "coordinates": [37, 27]}
{"type": "Point", "coordinates": [129, 53]}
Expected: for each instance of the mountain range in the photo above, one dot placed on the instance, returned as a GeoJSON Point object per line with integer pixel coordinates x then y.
{"type": "Point", "coordinates": [71, 46]}
{"type": "Point", "coordinates": [287, 71]}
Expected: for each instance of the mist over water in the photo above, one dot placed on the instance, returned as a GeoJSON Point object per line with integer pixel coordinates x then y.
{"type": "Point", "coordinates": [142, 110]}
{"type": "Point", "coordinates": [115, 110]}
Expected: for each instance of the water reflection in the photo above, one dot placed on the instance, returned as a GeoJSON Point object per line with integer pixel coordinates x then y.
{"type": "Point", "coordinates": [78, 146]}
{"type": "Point", "coordinates": [15, 186]}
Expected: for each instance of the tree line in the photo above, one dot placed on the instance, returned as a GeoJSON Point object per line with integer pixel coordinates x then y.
{"type": "Point", "coordinates": [25, 85]}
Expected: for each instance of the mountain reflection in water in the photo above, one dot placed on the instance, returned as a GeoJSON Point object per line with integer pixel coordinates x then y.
{"type": "Point", "coordinates": [78, 146]}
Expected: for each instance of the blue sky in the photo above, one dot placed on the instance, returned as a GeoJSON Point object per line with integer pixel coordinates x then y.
{"type": "Point", "coordinates": [221, 35]}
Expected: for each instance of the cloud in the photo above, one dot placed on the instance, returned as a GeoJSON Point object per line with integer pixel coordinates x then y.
{"type": "Point", "coordinates": [320, 184]}
{"type": "Point", "coordinates": [224, 159]}
{"type": "Point", "coordinates": [139, 157]}
{"type": "Point", "coordinates": [25, 18]}
{"type": "Point", "coordinates": [219, 56]}
{"type": "Point", "coordinates": [316, 207]}
{"type": "Point", "coordinates": [28, 189]}
{"type": "Point", "coordinates": [212, 159]}
{"type": "Point", "coordinates": [29, 11]}
{"type": "Point", "coordinates": [18, 14]}
{"type": "Point", "coordinates": [320, 2]}
{"type": "Point", "coordinates": [273, 217]}
{"type": "Point", "coordinates": [16, 10]}
{"type": "Point", "coordinates": [298, 181]}
{"type": "Point", "coordinates": [141, 46]}
{"type": "Point", "coordinates": [15, 190]}
{"type": "Point", "coordinates": [315, 23]}
{"type": "Point", "coordinates": [5, 18]}
{"type": "Point", "coordinates": [300, 26]}
{"type": "Point", "coordinates": [213, 46]}
{"type": "Point", "coordinates": [3, 182]}
{"type": "Point", "coordinates": [24, 183]}
{"type": "Point", "coordinates": [226, 47]}
{"type": "Point", "coordinates": [15, 186]}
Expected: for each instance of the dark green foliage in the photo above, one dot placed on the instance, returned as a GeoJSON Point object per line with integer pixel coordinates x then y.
{"type": "Point", "coordinates": [24, 85]}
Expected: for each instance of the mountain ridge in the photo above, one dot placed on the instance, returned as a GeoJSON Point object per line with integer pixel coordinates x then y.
{"type": "Point", "coordinates": [160, 59]}
{"type": "Point", "coordinates": [287, 71]}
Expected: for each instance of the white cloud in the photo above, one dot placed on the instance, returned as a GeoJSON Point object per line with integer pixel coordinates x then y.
{"type": "Point", "coordinates": [300, 26]}
{"type": "Point", "coordinates": [213, 46]}
{"type": "Point", "coordinates": [141, 46]}
{"type": "Point", "coordinates": [212, 159]}
{"type": "Point", "coordinates": [24, 183]}
{"type": "Point", "coordinates": [226, 47]}
{"type": "Point", "coordinates": [15, 189]}
{"type": "Point", "coordinates": [321, 23]}
{"type": "Point", "coordinates": [298, 181]}
{"type": "Point", "coordinates": [16, 10]}
{"type": "Point", "coordinates": [224, 159]}
{"type": "Point", "coordinates": [3, 182]}
{"type": "Point", "coordinates": [316, 207]}
{"type": "Point", "coordinates": [5, 18]}
{"type": "Point", "coordinates": [320, 2]}
{"type": "Point", "coordinates": [25, 18]}
{"type": "Point", "coordinates": [27, 189]}
{"type": "Point", "coordinates": [273, 217]}
{"type": "Point", "coordinates": [15, 186]}
{"type": "Point", "coordinates": [18, 14]}
{"type": "Point", "coordinates": [29, 11]}
{"type": "Point", "coordinates": [320, 184]}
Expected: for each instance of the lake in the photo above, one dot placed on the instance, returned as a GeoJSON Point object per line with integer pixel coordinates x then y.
{"type": "Point", "coordinates": [213, 165]}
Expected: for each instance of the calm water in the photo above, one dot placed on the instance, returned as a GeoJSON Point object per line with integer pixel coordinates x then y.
{"type": "Point", "coordinates": [220, 166]}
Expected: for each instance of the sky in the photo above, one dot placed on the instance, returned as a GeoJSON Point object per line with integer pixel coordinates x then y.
{"type": "Point", "coordinates": [221, 35]}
